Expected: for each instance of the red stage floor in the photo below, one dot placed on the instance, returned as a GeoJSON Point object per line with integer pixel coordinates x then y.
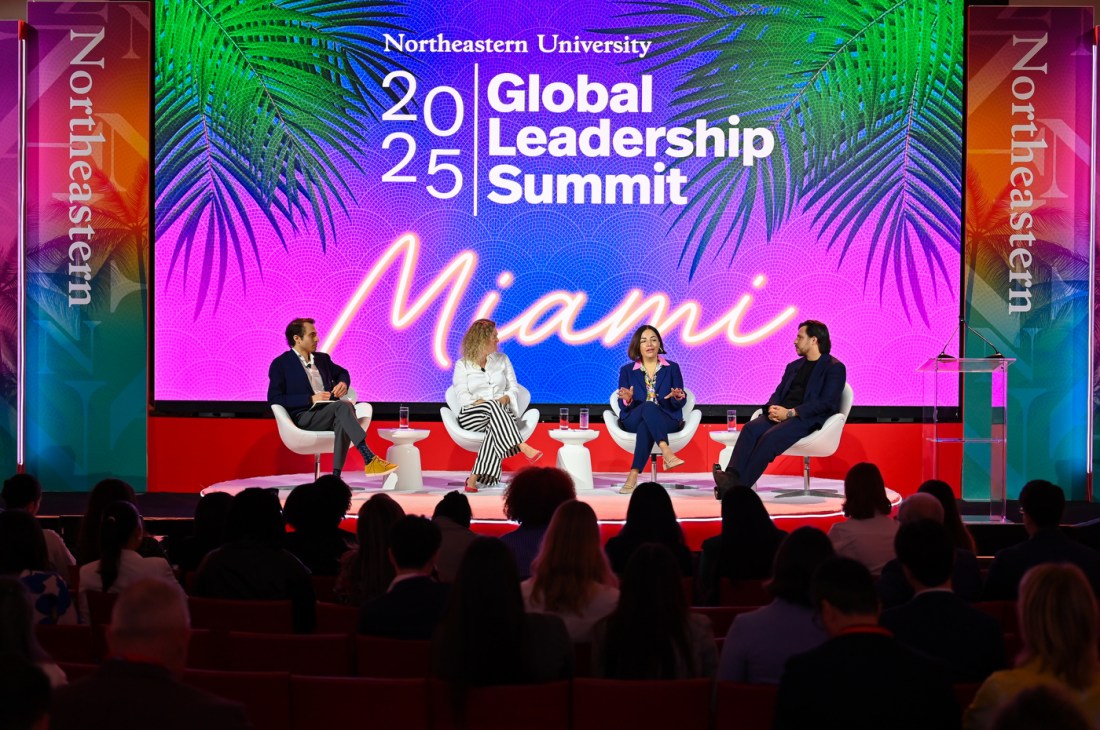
{"type": "Point", "coordinates": [696, 508]}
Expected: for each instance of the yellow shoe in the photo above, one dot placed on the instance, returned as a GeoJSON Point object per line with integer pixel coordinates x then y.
{"type": "Point", "coordinates": [379, 467]}
{"type": "Point", "coordinates": [628, 487]}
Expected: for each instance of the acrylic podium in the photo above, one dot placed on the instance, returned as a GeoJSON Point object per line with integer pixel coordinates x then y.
{"type": "Point", "coordinates": [976, 388]}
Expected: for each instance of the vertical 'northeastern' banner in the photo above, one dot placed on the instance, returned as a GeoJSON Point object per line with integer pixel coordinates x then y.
{"type": "Point", "coordinates": [1027, 248]}
{"type": "Point", "coordinates": [9, 238]}
{"type": "Point", "coordinates": [88, 240]}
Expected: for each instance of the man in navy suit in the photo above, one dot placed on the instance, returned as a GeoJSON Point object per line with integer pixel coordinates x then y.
{"type": "Point", "coordinates": [414, 603]}
{"type": "Point", "coordinates": [862, 677]}
{"type": "Point", "coordinates": [936, 621]}
{"type": "Point", "coordinates": [309, 385]}
{"type": "Point", "coordinates": [807, 395]}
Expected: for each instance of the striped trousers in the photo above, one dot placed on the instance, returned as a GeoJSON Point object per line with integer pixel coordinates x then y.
{"type": "Point", "coordinates": [502, 437]}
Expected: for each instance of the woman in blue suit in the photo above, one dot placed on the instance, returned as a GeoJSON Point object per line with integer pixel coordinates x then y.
{"type": "Point", "coordinates": [651, 400]}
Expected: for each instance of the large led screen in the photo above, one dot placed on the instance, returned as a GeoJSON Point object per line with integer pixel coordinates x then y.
{"type": "Point", "coordinates": [571, 169]}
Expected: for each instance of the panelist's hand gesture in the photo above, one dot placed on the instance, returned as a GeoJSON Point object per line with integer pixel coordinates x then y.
{"type": "Point", "coordinates": [322, 396]}
{"type": "Point", "coordinates": [504, 400]}
{"type": "Point", "coordinates": [340, 390]}
{"type": "Point", "coordinates": [777, 414]}
{"type": "Point", "coordinates": [677, 393]}
{"type": "Point", "coordinates": [626, 395]}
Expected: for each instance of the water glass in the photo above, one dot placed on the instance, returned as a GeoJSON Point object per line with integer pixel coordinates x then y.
{"type": "Point", "coordinates": [583, 422]}
{"type": "Point", "coordinates": [403, 417]}
{"type": "Point", "coordinates": [731, 419]}
{"type": "Point", "coordinates": [563, 419]}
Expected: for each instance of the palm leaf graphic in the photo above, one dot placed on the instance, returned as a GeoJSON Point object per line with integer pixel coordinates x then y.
{"type": "Point", "coordinates": [863, 99]}
{"type": "Point", "coordinates": [257, 104]}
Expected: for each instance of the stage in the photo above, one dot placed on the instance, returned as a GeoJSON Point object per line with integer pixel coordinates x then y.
{"type": "Point", "coordinates": [693, 498]}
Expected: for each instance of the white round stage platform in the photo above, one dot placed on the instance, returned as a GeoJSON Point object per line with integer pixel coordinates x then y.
{"type": "Point", "coordinates": [693, 501]}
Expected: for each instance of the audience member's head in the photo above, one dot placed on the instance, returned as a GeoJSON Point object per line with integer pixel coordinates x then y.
{"type": "Point", "coordinates": [22, 491]}
{"type": "Point", "coordinates": [480, 636]}
{"type": "Point", "coordinates": [952, 520]}
{"type": "Point", "coordinates": [749, 537]}
{"type": "Point", "coordinates": [1042, 707]}
{"type": "Point", "coordinates": [211, 514]}
{"type": "Point", "coordinates": [571, 561]}
{"type": "Point", "coordinates": [1058, 624]}
{"type": "Point", "coordinates": [865, 492]}
{"type": "Point", "coordinates": [926, 554]}
{"type": "Point", "coordinates": [150, 620]}
{"type": "Point", "coordinates": [120, 529]}
{"type": "Point", "coordinates": [795, 562]}
{"type": "Point", "coordinates": [455, 507]}
{"type": "Point", "coordinates": [22, 545]}
{"type": "Point", "coordinates": [17, 627]}
{"type": "Point", "coordinates": [648, 630]}
{"type": "Point", "coordinates": [844, 594]}
{"type": "Point", "coordinates": [371, 570]}
{"type": "Point", "coordinates": [24, 694]}
{"type": "Point", "coordinates": [304, 510]}
{"type": "Point", "coordinates": [650, 517]}
{"type": "Point", "coordinates": [103, 493]}
{"type": "Point", "coordinates": [333, 502]}
{"type": "Point", "coordinates": [535, 493]}
{"type": "Point", "coordinates": [1041, 504]}
{"type": "Point", "coordinates": [414, 543]}
{"type": "Point", "coordinates": [918, 507]}
{"type": "Point", "coordinates": [256, 516]}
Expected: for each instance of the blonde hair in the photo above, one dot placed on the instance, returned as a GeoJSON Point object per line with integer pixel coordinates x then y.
{"type": "Point", "coordinates": [475, 339]}
{"type": "Point", "coordinates": [1058, 623]}
{"type": "Point", "coordinates": [571, 562]}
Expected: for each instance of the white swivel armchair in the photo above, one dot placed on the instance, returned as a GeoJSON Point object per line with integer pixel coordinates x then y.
{"type": "Point", "coordinates": [315, 443]}
{"type": "Point", "coordinates": [471, 440]}
{"type": "Point", "coordinates": [822, 442]}
{"type": "Point", "coordinates": [676, 439]}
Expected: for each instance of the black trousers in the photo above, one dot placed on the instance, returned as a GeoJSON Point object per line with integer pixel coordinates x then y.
{"type": "Point", "coordinates": [338, 417]}
{"type": "Point", "coordinates": [760, 442]}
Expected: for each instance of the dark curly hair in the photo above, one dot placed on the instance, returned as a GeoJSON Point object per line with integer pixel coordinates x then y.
{"type": "Point", "coordinates": [535, 493]}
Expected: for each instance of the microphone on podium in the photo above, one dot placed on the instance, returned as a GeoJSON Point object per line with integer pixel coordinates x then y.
{"type": "Point", "coordinates": [964, 324]}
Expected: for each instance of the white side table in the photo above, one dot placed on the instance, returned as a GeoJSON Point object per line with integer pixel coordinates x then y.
{"type": "Point", "coordinates": [727, 439]}
{"type": "Point", "coordinates": [405, 454]}
{"type": "Point", "coordinates": [573, 456]}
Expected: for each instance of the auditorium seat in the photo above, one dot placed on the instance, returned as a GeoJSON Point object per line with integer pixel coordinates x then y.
{"type": "Point", "coordinates": [392, 658]}
{"type": "Point", "coordinates": [582, 659]}
{"type": "Point", "coordinates": [964, 693]}
{"type": "Point", "coordinates": [333, 618]}
{"type": "Point", "coordinates": [743, 593]}
{"type": "Point", "coordinates": [206, 650]}
{"type": "Point", "coordinates": [265, 695]}
{"type": "Point", "coordinates": [100, 605]}
{"type": "Point", "coordinates": [74, 670]}
{"type": "Point", "coordinates": [599, 704]}
{"type": "Point", "coordinates": [318, 655]}
{"type": "Point", "coordinates": [67, 643]}
{"type": "Point", "coordinates": [322, 587]}
{"type": "Point", "coordinates": [527, 706]}
{"type": "Point", "coordinates": [1004, 612]}
{"type": "Point", "coordinates": [217, 614]}
{"type": "Point", "coordinates": [358, 702]}
{"type": "Point", "coordinates": [745, 706]}
{"type": "Point", "coordinates": [722, 616]}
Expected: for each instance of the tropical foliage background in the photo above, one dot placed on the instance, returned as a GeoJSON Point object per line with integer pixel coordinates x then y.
{"type": "Point", "coordinates": [257, 105]}
{"type": "Point", "coordinates": [864, 98]}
